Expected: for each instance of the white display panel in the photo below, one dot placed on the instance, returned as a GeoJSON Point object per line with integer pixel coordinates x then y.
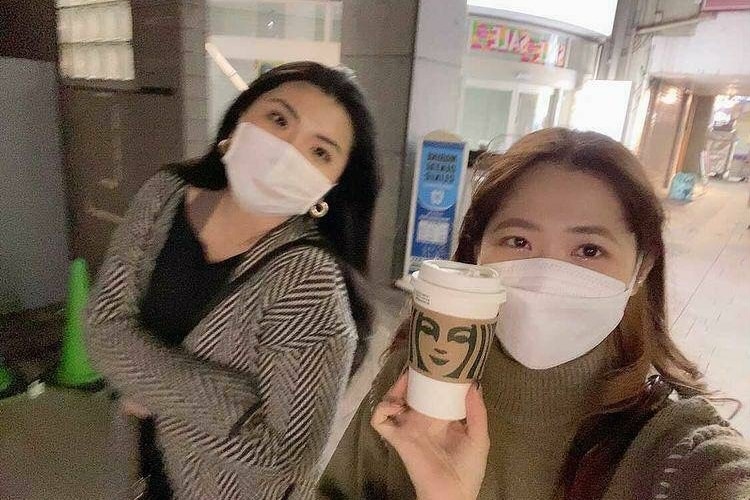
{"type": "Point", "coordinates": [602, 106]}
{"type": "Point", "coordinates": [589, 17]}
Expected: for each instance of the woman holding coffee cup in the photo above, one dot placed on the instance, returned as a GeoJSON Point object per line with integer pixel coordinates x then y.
{"type": "Point", "coordinates": [226, 311]}
{"type": "Point", "coordinates": [568, 407]}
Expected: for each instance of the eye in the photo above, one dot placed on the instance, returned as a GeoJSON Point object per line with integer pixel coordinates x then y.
{"type": "Point", "coordinates": [589, 251]}
{"type": "Point", "coordinates": [460, 335]}
{"type": "Point", "coordinates": [516, 242]}
{"type": "Point", "coordinates": [427, 326]}
{"type": "Point", "coordinates": [322, 153]}
{"type": "Point", "coordinates": [278, 119]}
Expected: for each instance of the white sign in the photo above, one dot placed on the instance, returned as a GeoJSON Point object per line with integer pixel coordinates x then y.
{"type": "Point", "coordinates": [587, 17]}
{"type": "Point", "coordinates": [602, 106]}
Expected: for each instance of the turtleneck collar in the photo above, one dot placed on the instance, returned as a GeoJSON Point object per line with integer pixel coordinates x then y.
{"type": "Point", "coordinates": [520, 394]}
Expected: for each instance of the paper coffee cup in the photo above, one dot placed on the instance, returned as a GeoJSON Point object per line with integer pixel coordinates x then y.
{"type": "Point", "coordinates": [453, 323]}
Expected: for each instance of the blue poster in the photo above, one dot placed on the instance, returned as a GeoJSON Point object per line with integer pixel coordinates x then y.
{"type": "Point", "coordinates": [438, 190]}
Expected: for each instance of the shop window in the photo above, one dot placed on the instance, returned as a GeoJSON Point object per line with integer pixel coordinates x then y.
{"type": "Point", "coordinates": [337, 12]}
{"type": "Point", "coordinates": [255, 36]}
{"type": "Point", "coordinates": [485, 116]}
{"type": "Point", "coordinates": [233, 21]}
{"type": "Point", "coordinates": [271, 20]}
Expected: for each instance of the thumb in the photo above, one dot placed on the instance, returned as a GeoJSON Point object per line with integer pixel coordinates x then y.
{"type": "Point", "coordinates": [476, 415]}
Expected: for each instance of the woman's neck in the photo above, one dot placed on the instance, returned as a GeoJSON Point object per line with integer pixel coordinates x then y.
{"type": "Point", "coordinates": [560, 393]}
{"type": "Point", "coordinates": [224, 228]}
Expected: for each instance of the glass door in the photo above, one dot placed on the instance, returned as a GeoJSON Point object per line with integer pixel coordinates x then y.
{"type": "Point", "coordinates": [486, 116]}
{"type": "Point", "coordinates": [533, 112]}
{"type": "Point", "coordinates": [494, 115]}
{"type": "Point", "coordinates": [497, 114]}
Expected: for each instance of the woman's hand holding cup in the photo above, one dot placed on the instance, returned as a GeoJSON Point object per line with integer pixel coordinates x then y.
{"type": "Point", "coordinates": [446, 460]}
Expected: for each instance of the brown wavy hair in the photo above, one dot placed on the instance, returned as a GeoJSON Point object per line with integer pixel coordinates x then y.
{"type": "Point", "coordinates": [626, 397]}
{"type": "Point", "coordinates": [643, 334]}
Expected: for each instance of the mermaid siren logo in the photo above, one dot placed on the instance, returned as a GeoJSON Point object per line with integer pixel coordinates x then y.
{"type": "Point", "coordinates": [448, 348]}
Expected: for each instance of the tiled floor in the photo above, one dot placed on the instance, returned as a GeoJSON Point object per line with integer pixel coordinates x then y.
{"type": "Point", "coordinates": [65, 446]}
{"type": "Point", "coordinates": [708, 263]}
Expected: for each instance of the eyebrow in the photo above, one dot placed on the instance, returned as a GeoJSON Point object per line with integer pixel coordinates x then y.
{"type": "Point", "coordinates": [516, 222]}
{"type": "Point", "coordinates": [286, 105]}
{"type": "Point", "coordinates": [330, 141]}
{"type": "Point", "coordinates": [295, 115]}
{"type": "Point", "coordinates": [597, 230]}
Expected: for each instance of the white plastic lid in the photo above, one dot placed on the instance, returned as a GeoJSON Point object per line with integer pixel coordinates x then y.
{"type": "Point", "coordinates": [459, 276]}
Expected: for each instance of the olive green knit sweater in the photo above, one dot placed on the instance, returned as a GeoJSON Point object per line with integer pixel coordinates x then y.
{"type": "Point", "coordinates": [685, 452]}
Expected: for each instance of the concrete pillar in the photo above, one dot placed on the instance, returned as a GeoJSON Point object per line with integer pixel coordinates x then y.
{"type": "Point", "coordinates": [193, 76]}
{"type": "Point", "coordinates": [658, 146]}
{"type": "Point", "coordinates": [436, 89]}
{"type": "Point", "coordinates": [377, 42]}
{"type": "Point", "coordinates": [407, 56]}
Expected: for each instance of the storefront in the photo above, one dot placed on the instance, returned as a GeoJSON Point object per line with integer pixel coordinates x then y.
{"type": "Point", "coordinates": [519, 78]}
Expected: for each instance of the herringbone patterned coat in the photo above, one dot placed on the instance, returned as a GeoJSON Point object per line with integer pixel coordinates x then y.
{"type": "Point", "coordinates": [243, 407]}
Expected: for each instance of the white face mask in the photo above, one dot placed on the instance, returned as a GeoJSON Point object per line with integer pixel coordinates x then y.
{"type": "Point", "coordinates": [556, 311]}
{"type": "Point", "coordinates": [267, 175]}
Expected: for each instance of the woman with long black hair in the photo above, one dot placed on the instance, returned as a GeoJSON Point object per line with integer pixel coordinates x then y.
{"type": "Point", "coordinates": [226, 310]}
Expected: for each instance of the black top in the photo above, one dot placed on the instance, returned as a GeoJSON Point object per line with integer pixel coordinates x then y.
{"type": "Point", "coordinates": [182, 283]}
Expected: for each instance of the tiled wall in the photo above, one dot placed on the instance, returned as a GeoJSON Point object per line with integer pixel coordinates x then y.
{"type": "Point", "coordinates": [162, 118]}
{"type": "Point", "coordinates": [169, 52]}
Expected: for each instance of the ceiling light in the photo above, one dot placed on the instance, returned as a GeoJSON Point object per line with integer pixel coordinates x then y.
{"type": "Point", "coordinates": [670, 96]}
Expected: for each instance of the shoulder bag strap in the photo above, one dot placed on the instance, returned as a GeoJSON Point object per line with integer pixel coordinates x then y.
{"type": "Point", "coordinates": [238, 282]}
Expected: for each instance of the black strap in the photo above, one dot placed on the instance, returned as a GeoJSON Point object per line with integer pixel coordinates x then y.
{"type": "Point", "coordinates": [235, 284]}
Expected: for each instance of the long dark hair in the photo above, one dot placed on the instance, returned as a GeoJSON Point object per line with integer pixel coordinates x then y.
{"type": "Point", "coordinates": [346, 227]}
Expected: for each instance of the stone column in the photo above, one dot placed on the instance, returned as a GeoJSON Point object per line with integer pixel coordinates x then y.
{"type": "Point", "coordinates": [407, 56]}
{"type": "Point", "coordinates": [193, 76]}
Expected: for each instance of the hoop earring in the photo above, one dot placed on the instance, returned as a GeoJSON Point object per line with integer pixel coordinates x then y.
{"type": "Point", "coordinates": [319, 210]}
{"type": "Point", "coordinates": [223, 146]}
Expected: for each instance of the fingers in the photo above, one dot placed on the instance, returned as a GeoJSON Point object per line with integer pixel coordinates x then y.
{"type": "Point", "coordinates": [393, 404]}
{"type": "Point", "coordinates": [397, 393]}
{"type": "Point", "coordinates": [476, 414]}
